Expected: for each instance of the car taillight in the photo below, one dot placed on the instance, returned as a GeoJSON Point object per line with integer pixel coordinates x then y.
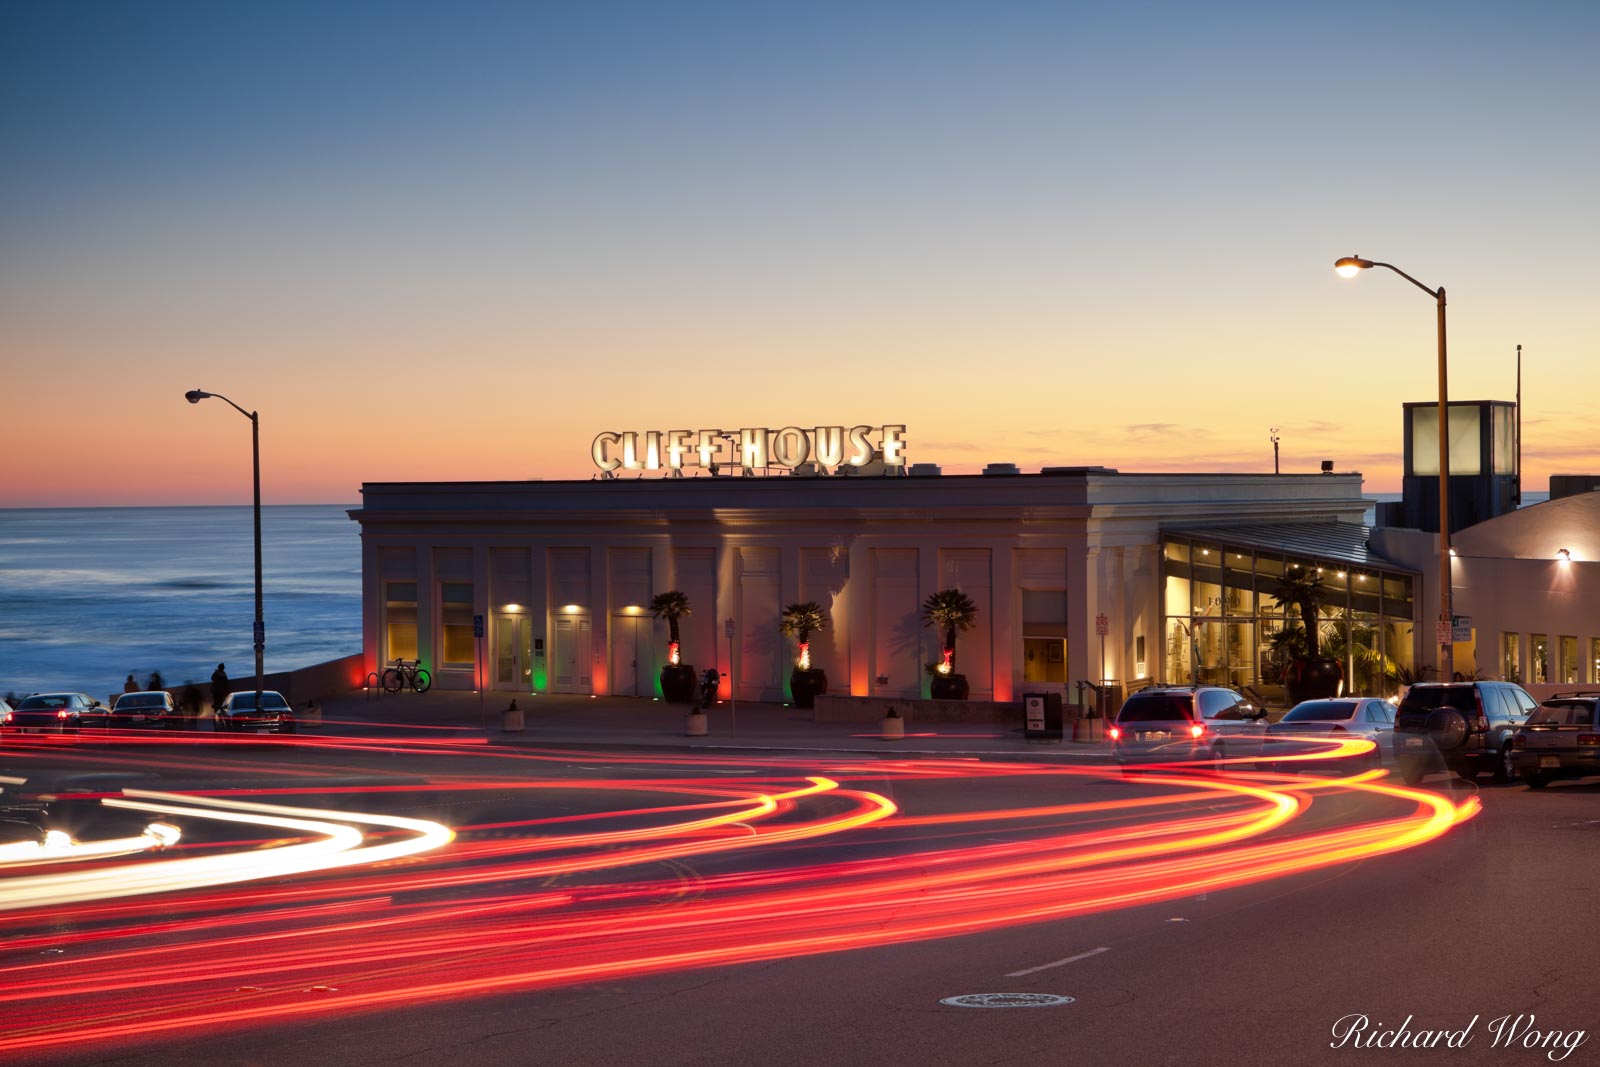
{"type": "Point", "coordinates": [1589, 739]}
{"type": "Point", "coordinates": [61, 714]}
{"type": "Point", "coordinates": [1483, 725]}
{"type": "Point", "coordinates": [1518, 740]}
{"type": "Point", "coordinates": [1339, 729]}
{"type": "Point", "coordinates": [1197, 730]}
{"type": "Point", "coordinates": [1116, 733]}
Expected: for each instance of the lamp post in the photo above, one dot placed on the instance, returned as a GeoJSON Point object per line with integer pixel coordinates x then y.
{"type": "Point", "coordinates": [194, 396]}
{"type": "Point", "coordinates": [1349, 267]}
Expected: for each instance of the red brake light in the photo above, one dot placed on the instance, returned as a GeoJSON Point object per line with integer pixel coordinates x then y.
{"type": "Point", "coordinates": [1197, 730]}
{"type": "Point", "coordinates": [1339, 729]}
{"type": "Point", "coordinates": [1518, 740]}
{"type": "Point", "coordinates": [1116, 733]}
{"type": "Point", "coordinates": [1589, 739]}
{"type": "Point", "coordinates": [61, 713]}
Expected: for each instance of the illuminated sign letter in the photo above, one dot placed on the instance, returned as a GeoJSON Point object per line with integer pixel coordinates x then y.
{"type": "Point", "coordinates": [677, 445]}
{"type": "Point", "coordinates": [790, 447]}
{"type": "Point", "coordinates": [705, 442]}
{"type": "Point", "coordinates": [894, 443]}
{"type": "Point", "coordinates": [830, 445]}
{"type": "Point", "coordinates": [598, 451]}
{"type": "Point", "coordinates": [753, 447]}
{"type": "Point", "coordinates": [630, 450]}
{"type": "Point", "coordinates": [860, 447]}
{"type": "Point", "coordinates": [652, 450]}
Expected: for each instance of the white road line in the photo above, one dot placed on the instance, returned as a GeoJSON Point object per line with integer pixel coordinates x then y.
{"type": "Point", "coordinates": [1058, 963]}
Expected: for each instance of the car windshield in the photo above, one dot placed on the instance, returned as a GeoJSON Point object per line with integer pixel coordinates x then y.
{"type": "Point", "coordinates": [269, 702]}
{"type": "Point", "coordinates": [1574, 714]}
{"type": "Point", "coordinates": [141, 700]}
{"type": "Point", "coordinates": [1423, 698]}
{"type": "Point", "coordinates": [1155, 707]}
{"type": "Point", "coordinates": [1321, 711]}
{"type": "Point", "coordinates": [43, 703]}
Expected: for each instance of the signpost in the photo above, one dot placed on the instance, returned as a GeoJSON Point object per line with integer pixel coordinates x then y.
{"type": "Point", "coordinates": [1461, 628]}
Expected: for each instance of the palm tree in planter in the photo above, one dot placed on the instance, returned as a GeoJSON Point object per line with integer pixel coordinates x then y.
{"type": "Point", "coordinates": [677, 677]}
{"type": "Point", "coordinates": [800, 621]}
{"type": "Point", "coordinates": [1309, 675]}
{"type": "Point", "coordinates": [949, 610]}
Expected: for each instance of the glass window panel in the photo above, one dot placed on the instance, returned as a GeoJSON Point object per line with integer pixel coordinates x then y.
{"type": "Point", "coordinates": [1209, 655]}
{"type": "Point", "coordinates": [1594, 659]}
{"type": "Point", "coordinates": [1176, 554]}
{"type": "Point", "coordinates": [400, 621]}
{"type": "Point", "coordinates": [455, 622]}
{"type": "Point", "coordinates": [1538, 659]}
{"type": "Point", "coordinates": [1237, 583]}
{"type": "Point", "coordinates": [1505, 444]}
{"type": "Point", "coordinates": [1177, 596]}
{"type": "Point", "coordinates": [1399, 653]}
{"type": "Point", "coordinates": [1045, 606]}
{"type": "Point", "coordinates": [1465, 451]}
{"type": "Point", "coordinates": [1365, 587]}
{"type": "Point", "coordinates": [1367, 669]}
{"type": "Point", "coordinates": [1180, 651]}
{"type": "Point", "coordinates": [1567, 661]}
{"type": "Point", "coordinates": [1397, 596]}
{"type": "Point", "coordinates": [1241, 654]}
{"type": "Point", "coordinates": [1268, 570]}
{"type": "Point", "coordinates": [1511, 657]}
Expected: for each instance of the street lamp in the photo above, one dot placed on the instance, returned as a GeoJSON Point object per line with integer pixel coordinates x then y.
{"type": "Point", "coordinates": [194, 396]}
{"type": "Point", "coordinates": [1349, 267]}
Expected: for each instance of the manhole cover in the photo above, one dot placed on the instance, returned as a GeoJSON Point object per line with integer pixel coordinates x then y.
{"type": "Point", "coordinates": [1006, 1000]}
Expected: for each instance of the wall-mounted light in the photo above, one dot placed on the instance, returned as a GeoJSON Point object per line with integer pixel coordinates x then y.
{"type": "Point", "coordinates": [571, 609]}
{"type": "Point", "coordinates": [1452, 551]}
{"type": "Point", "coordinates": [1563, 555]}
{"type": "Point", "coordinates": [512, 607]}
{"type": "Point", "coordinates": [632, 609]}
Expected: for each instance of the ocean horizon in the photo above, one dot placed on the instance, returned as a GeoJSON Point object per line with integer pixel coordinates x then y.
{"type": "Point", "coordinates": [90, 595]}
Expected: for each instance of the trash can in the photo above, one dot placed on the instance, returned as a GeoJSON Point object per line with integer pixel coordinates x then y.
{"type": "Point", "coordinates": [1041, 714]}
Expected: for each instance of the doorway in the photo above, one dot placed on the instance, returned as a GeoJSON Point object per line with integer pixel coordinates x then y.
{"type": "Point", "coordinates": [630, 656]}
{"type": "Point", "coordinates": [572, 654]}
{"type": "Point", "coordinates": [513, 653]}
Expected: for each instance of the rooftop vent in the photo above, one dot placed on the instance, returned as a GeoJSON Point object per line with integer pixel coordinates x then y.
{"type": "Point", "coordinates": [925, 470]}
{"type": "Point", "coordinates": [1002, 468]}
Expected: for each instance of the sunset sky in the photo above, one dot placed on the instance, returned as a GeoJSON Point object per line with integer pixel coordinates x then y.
{"type": "Point", "coordinates": [455, 241]}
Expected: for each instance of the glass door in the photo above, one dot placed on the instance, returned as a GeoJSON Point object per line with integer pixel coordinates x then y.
{"type": "Point", "coordinates": [513, 653]}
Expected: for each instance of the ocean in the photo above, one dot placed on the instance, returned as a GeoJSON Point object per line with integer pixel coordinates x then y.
{"type": "Point", "coordinates": [89, 595]}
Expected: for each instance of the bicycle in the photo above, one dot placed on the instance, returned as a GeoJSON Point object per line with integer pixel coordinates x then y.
{"type": "Point", "coordinates": [407, 673]}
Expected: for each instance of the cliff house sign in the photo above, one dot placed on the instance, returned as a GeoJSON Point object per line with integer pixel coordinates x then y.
{"type": "Point", "coordinates": [750, 448]}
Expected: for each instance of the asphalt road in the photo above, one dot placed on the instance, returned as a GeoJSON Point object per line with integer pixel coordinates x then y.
{"type": "Point", "coordinates": [1493, 920]}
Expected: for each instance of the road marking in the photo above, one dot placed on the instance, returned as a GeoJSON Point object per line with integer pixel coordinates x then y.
{"type": "Point", "coordinates": [1058, 963]}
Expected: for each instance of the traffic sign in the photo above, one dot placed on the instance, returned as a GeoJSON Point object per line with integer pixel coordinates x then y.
{"type": "Point", "coordinates": [1442, 633]}
{"type": "Point", "coordinates": [1461, 628]}
{"type": "Point", "coordinates": [1102, 625]}
{"type": "Point", "coordinates": [477, 626]}
{"type": "Point", "coordinates": [727, 627]}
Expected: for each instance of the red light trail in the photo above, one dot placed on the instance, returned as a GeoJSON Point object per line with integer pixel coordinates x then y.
{"type": "Point", "coordinates": [328, 911]}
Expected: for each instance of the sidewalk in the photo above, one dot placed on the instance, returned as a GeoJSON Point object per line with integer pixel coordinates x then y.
{"type": "Point", "coordinates": [608, 722]}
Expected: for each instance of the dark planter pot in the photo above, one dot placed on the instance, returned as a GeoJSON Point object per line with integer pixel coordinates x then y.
{"type": "Point", "coordinates": [807, 685]}
{"type": "Point", "coordinates": [679, 685]}
{"type": "Point", "coordinates": [948, 687]}
{"type": "Point", "coordinates": [1313, 679]}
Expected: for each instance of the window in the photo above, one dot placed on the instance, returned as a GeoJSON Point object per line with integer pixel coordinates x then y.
{"type": "Point", "coordinates": [1567, 660]}
{"type": "Point", "coordinates": [400, 620]}
{"type": "Point", "coordinates": [1539, 656]}
{"type": "Point", "coordinates": [1594, 659]}
{"type": "Point", "coordinates": [1511, 657]}
{"type": "Point", "coordinates": [455, 622]}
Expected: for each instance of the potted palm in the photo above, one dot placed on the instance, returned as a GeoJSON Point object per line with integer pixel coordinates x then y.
{"type": "Point", "coordinates": [677, 677]}
{"type": "Point", "coordinates": [1308, 675]}
{"type": "Point", "coordinates": [800, 621]}
{"type": "Point", "coordinates": [950, 610]}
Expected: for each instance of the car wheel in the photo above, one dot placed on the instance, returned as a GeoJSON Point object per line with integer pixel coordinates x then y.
{"type": "Point", "coordinates": [1505, 768]}
{"type": "Point", "coordinates": [1411, 774]}
{"type": "Point", "coordinates": [1219, 752]}
{"type": "Point", "coordinates": [1535, 780]}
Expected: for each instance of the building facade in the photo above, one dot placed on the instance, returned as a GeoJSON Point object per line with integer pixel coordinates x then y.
{"type": "Point", "coordinates": [1080, 575]}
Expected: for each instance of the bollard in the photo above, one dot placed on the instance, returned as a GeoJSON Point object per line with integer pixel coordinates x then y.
{"type": "Point", "coordinates": [695, 723]}
{"type": "Point", "coordinates": [892, 726]}
{"type": "Point", "coordinates": [511, 720]}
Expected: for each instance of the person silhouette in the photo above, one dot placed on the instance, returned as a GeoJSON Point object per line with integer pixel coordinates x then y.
{"type": "Point", "coordinates": [219, 686]}
{"type": "Point", "coordinates": [130, 686]}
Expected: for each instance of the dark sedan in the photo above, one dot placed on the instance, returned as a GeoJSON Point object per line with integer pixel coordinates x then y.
{"type": "Point", "coordinates": [54, 713]}
{"type": "Point", "coordinates": [145, 711]}
{"type": "Point", "coordinates": [240, 713]}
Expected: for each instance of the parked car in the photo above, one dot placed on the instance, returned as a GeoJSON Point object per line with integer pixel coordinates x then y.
{"type": "Point", "coordinates": [1561, 739]}
{"type": "Point", "coordinates": [1464, 727]}
{"type": "Point", "coordinates": [1180, 723]}
{"type": "Point", "coordinates": [1337, 719]}
{"type": "Point", "coordinates": [54, 713]}
{"type": "Point", "coordinates": [145, 710]}
{"type": "Point", "coordinates": [241, 714]}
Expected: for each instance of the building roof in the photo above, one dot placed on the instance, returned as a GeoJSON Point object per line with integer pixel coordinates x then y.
{"type": "Point", "coordinates": [1342, 542]}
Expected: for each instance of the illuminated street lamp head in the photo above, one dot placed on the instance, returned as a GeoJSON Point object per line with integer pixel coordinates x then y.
{"type": "Point", "coordinates": [1350, 266]}
{"type": "Point", "coordinates": [194, 396]}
